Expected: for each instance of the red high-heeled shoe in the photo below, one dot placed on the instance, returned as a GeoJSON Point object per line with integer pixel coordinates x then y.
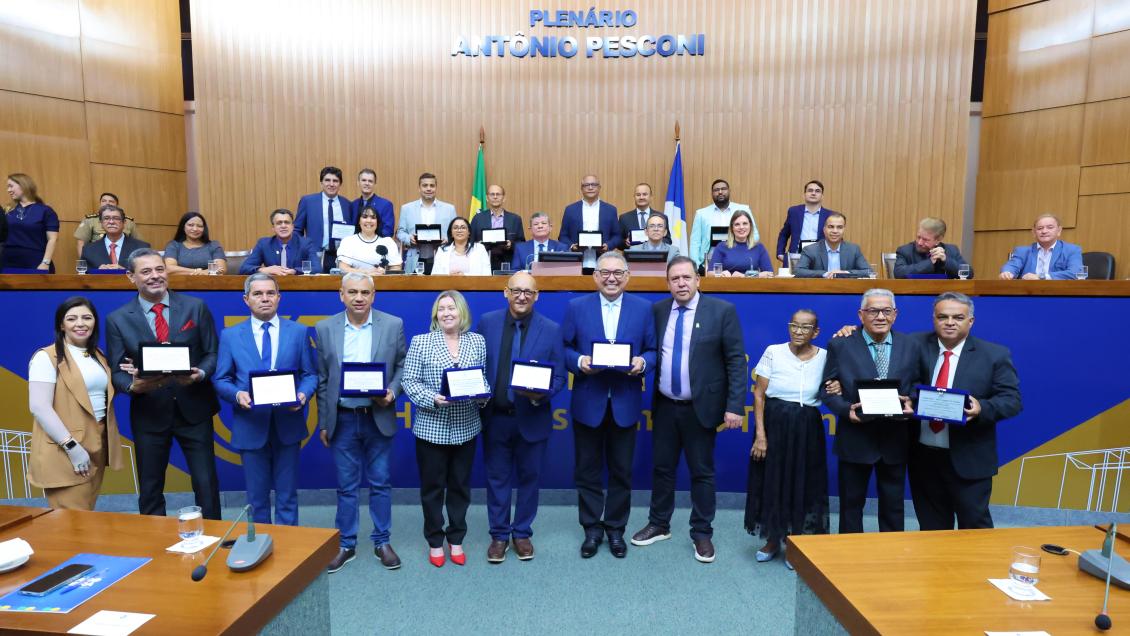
{"type": "Point", "coordinates": [437, 561]}
{"type": "Point", "coordinates": [458, 559]}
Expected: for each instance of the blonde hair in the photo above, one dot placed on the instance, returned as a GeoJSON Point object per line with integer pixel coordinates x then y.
{"type": "Point", "coordinates": [460, 306]}
{"type": "Point", "coordinates": [27, 184]}
{"type": "Point", "coordinates": [730, 240]}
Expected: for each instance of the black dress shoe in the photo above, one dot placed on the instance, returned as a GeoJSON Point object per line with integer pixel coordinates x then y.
{"type": "Point", "coordinates": [344, 555]}
{"type": "Point", "coordinates": [617, 546]}
{"type": "Point", "coordinates": [588, 548]}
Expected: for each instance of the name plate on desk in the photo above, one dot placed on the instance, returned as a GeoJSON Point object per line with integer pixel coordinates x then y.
{"type": "Point", "coordinates": [428, 233]}
{"type": "Point", "coordinates": [639, 236]}
{"type": "Point", "coordinates": [163, 359]}
{"type": "Point", "coordinates": [363, 379]}
{"type": "Point", "coordinates": [719, 233]}
{"type": "Point", "coordinates": [495, 235]}
{"type": "Point", "coordinates": [590, 239]}
{"type": "Point", "coordinates": [879, 397]}
{"type": "Point", "coordinates": [942, 405]}
{"type": "Point", "coordinates": [611, 355]}
{"type": "Point", "coordinates": [273, 388]}
{"type": "Point", "coordinates": [465, 384]}
{"type": "Point", "coordinates": [532, 376]}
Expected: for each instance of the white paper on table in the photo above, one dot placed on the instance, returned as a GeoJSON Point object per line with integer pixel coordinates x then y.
{"type": "Point", "coordinates": [193, 545]}
{"type": "Point", "coordinates": [165, 358]}
{"type": "Point", "coordinates": [341, 230]}
{"type": "Point", "coordinates": [880, 402]}
{"type": "Point", "coordinates": [1005, 585]}
{"type": "Point", "coordinates": [363, 381]}
{"type": "Point", "coordinates": [1039, 633]}
{"type": "Point", "coordinates": [590, 239]}
{"type": "Point", "coordinates": [466, 382]}
{"type": "Point", "coordinates": [608, 354]}
{"type": "Point", "coordinates": [495, 235]}
{"type": "Point", "coordinates": [530, 377]}
{"type": "Point", "coordinates": [274, 389]}
{"type": "Point", "coordinates": [108, 623]}
{"type": "Point", "coordinates": [14, 549]}
{"type": "Point", "coordinates": [937, 404]}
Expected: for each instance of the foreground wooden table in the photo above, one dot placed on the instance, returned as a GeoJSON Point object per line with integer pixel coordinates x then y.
{"type": "Point", "coordinates": [15, 515]}
{"type": "Point", "coordinates": [287, 593]}
{"type": "Point", "coordinates": [937, 583]}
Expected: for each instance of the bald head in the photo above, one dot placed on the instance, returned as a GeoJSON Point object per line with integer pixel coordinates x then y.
{"type": "Point", "coordinates": [521, 294]}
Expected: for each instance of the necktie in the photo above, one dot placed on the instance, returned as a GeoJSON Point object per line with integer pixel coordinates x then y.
{"type": "Point", "coordinates": [159, 324]}
{"type": "Point", "coordinates": [266, 355]}
{"type": "Point", "coordinates": [515, 354]}
{"type": "Point", "coordinates": [113, 253]}
{"type": "Point", "coordinates": [282, 256]}
{"type": "Point", "coordinates": [643, 221]}
{"type": "Point", "coordinates": [541, 247]}
{"type": "Point", "coordinates": [881, 362]}
{"type": "Point", "coordinates": [328, 241]}
{"type": "Point", "coordinates": [677, 355]}
{"type": "Point", "coordinates": [609, 325]}
{"type": "Point", "coordinates": [942, 382]}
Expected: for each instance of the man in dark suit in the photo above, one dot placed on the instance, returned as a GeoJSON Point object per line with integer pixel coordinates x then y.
{"type": "Point", "coordinates": [115, 246]}
{"type": "Point", "coordinates": [164, 408]}
{"type": "Point", "coordinates": [386, 214]}
{"type": "Point", "coordinates": [590, 214]}
{"type": "Point", "coordinates": [516, 423]}
{"type": "Point", "coordinates": [526, 252]}
{"type": "Point", "coordinates": [878, 444]}
{"type": "Point", "coordinates": [606, 402]}
{"type": "Point", "coordinates": [283, 253]}
{"type": "Point", "coordinates": [952, 467]}
{"type": "Point", "coordinates": [267, 437]}
{"type": "Point", "coordinates": [636, 219]}
{"type": "Point", "coordinates": [700, 384]}
{"type": "Point", "coordinates": [317, 214]}
{"type": "Point", "coordinates": [497, 218]}
{"type": "Point", "coordinates": [832, 256]}
{"type": "Point", "coordinates": [804, 223]}
{"type": "Point", "coordinates": [926, 254]}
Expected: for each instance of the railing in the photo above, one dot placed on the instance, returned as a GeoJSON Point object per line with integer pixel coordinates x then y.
{"type": "Point", "coordinates": [1106, 467]}
{"type": "Point", "coordinates": [14, 450]}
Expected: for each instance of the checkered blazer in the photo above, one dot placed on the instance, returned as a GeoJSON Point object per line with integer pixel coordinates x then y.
{"type": "Point", "coordinates": [428, 356]}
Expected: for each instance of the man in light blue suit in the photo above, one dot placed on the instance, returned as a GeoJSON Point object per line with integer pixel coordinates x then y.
{"type": "Point", "coordinates": [317, 214]}
{"type": "Point", "coordinates": [1048, 257]}
{"type": "Point", "coordinates": [516, 424]}
{"type": "Point", "coordinates": [359, 430]}
{"type": "Point", "coordinates": [427, 210]}
{"type": "Point", "coordinates": [606, 403]}
{"type": "Point", "coordinates": [267, 437]}
{"type": "Point", "coordinates": [540, 227]}
{"type": "Point", "coordinates": [282, 254]}
{"type": "Point", "coordinates": [590, 214]}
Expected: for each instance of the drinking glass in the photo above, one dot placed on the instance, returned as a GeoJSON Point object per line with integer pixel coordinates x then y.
{"type": "Point", "coordinates": [80, 266]}
{"type": "Point", "coordinates": [306, 267]}
{"type": "Point", "coordinates": [190, 524]}
{"type": "Point", "coordinates": [1082, 274]}
{"type": "Point", "coordinates": [717, 270]}
{"type": "Point", "coordinates": [1024, 570]}
{"type": "Point", "coordinates": [213, 268]}
{"type": "Point", "coordinates": [794, 260]}
{"type": "Point", "coordinates": [873, 271]}
{"type": "Point", "coordinates": [419, 268]}
{"type": "Point", "coordinates": [963, 272]}
{"type": "Point", "coordinates": [504, 266]}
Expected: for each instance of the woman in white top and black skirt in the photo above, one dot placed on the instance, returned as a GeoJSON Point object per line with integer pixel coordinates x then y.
{"type": "Point", "coordinates": [788, 469]}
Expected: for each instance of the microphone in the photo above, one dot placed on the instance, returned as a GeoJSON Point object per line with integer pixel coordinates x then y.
{"type": "Point", "coordinates": [383, 251]}
{"type": "Point", "coordinates": [200, 571]}
{"type": "Point", "coordinates": [1102, 621]}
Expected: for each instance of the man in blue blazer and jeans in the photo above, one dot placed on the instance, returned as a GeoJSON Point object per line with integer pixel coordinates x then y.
{"type": "Point", "coordinates": [606, 403]}
{"type": "Point", "coordinates": [516, 423]}
{"type": "Point", "coordinates": [267, 437]}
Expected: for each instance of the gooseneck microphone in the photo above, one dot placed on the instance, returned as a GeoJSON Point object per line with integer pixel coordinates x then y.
{"type": "Point", "coordinates": [1102, 621]}
{"type": "Point", "coordinates": [200, 571]}
{"type": "Point", "coordinates": [383, 252]}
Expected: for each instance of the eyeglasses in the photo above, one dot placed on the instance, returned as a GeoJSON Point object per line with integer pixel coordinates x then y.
{"type": "Point", "coordinates": [522, 293]}
{"type": "Point", "coordinates": [801, 328]}
{"type": "Point", "coordinates": [887, 312]}
{"type": "Point", "coordinates": [612, 273]}
{"type": "Point", "coordinates": [590, 185]}
{"type": "Point", "coordinates": [112, 219]}
{"type": "Point", "coordinates": [656, 226]}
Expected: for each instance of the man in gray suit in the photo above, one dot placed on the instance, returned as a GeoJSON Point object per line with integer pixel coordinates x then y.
{"type": "Point", "coordinates": [359, 430]}
{"type": "Point", "coordinates": [832, 256]}
{"type": "Point", "coordinates": [427, 210]}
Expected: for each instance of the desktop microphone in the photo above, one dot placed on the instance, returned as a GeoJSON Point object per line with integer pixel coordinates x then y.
{"type": "Point", "coordinates": [201, 571]}
{"type": "Point", "coordinates": [1102, 621]}
{"type": "Point", "coordinates": [383, 251]}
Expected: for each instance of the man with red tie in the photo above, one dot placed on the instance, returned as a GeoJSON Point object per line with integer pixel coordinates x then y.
{"type": "Point", "coordinates": [111, 252]}
{"type": "Point", "coordinates": [951, 467]}
{"type": "Point", "coordinates": [167, 407]}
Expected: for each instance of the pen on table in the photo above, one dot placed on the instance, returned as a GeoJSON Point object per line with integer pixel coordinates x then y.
{"type": "Point", "coordinates": [77, 583]}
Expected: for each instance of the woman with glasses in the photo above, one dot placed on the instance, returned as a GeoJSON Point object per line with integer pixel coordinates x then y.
{"type": "Point", "coordinates": [788, 471]}
{"type": "Point", "coordinates": [367, 252]}
{"type": "Point", "coordinates": [31, 227]}
{"type": "Point", "coordinates": [460, 256]}
{"type": "Point", "coordinates": [740, 253]}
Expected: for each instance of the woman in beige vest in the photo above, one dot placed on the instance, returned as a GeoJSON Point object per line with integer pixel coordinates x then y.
{"type": "Point", "coordinates": [75, 435]}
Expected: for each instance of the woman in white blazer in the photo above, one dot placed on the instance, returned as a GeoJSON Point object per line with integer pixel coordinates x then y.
{"type": "Point", "coordinates": [460, 256]}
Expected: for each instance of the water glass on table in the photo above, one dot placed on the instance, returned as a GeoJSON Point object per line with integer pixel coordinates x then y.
{"type": "Point", "coordinates": [190, 524]}
{"type": "Point", "coordinates": [80, 266]}
{"type": "Point", "coordinates": [1082, 273]}
{"type": "Point", "coordinates": [717, 270]}
{"type": "Point", "coordinates": [872, 271]}
{"type": "Point", "coordinates": [1024, 570]}
{"type": "Point", "coordinates": [306, 267]}
{"type": "Point", "coordinates": [213, 268]}
{"type": "Point", "coordinates": [419, 268]}
{"type": "Point", "coordinates": [963, 272]}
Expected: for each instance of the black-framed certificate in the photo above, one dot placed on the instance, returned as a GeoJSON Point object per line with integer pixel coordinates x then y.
{"type": "Point", "coordinates": [274, 388]}
{"type": "Point", "coordinates": [156, 358]}
{"type": "Point", "coordinates": [607, 354]}
{"type": "Point", "coordinates": [429, 233]}
{"type": "Point", "coordinates": [494, 235]}
{"type": "Point", "coordinates": [465, 383]}
{"type": "Point", "coordinates": [941, 405]}
{"type": "Point", "coordinates": [639, 236]}
{"type": "Point", "coordinates": [590, 239]}
{"type": "Point", "coordinates": [531, 376]}
{"type": "Point", "coordinates": [879, 397]}
{"type": "Point", "coordinates": [363, 379]}
{"type": "Point", "coordinates": [719, 233]}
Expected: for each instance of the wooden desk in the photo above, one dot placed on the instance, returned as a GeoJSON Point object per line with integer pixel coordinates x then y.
{"type": "Point", "coordinates": [15, 515]}
{"type": "Point", "coordinates": [936, 583]}
{"type": "Point", "coordinates": [288, 591]}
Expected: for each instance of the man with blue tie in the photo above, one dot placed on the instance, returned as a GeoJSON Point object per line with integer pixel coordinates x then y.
{"type": "Point", "coordinates": [804, 224]}
{"type": "Point", "coordinates": [386, 215]}
{"type": "Point", "coordinates": [283, 253]}
{"type": "Point", "coordinates": [1048, 257]}
{"type": "Point", "coordinates": [590, 214]}
{"type": "Point", "coordinates": [319, 213]}
{"type": "Point", "coordinates": [516, 423]}
{"type": "Point", "coordinates": [606, 403]}
{"type": "Point", "coordinates": [267, 437]}
{"type": "Point", "coordinates": [527, 252]}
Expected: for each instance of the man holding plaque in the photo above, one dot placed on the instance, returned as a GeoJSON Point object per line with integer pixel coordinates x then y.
{"type": "Point", "coordinates": [499, 229]}
{"type": "Point", "coordinates": [427, 214]}
{"type": "Point", "coordinates": [609, 346]}
{"type": "Point", "coordinates": [869, 443]}
{"type": "Point", "coordinates": [952, 464]}
{"type": "Point", "coordinates": [701, 385]}
{"type": "Point", "coordinates": [527, 363]}
{"type": "Point", "coordinates": [177, 403]}
{"type": "Point", "coordinates": [267, 436]}
{"type": "Point", "coordinates": [324, 217]}
{"type": "Point", "coordinates": [357, 415]}
{"type": "Point", "coordinates": [590, 226]}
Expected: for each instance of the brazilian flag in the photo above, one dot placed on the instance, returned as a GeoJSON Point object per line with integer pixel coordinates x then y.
{"type": "Point", "coordinates": [478, 187]}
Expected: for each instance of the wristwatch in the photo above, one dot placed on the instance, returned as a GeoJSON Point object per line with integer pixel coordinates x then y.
{"type": "Point", "coordinates": [69, 444]}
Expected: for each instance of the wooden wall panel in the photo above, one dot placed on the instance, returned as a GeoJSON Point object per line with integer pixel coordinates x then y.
{"type": "Point", "coordinates": [1106, 132]}
{"type": "Point", "coordinates": [1029, 164]}
{"type": "Point", "coordinates": [1109, 179]}
{"type": "Point", "coordinates": [1037, 56]}
{"type": "Point", "coordinates": [1104, 226]}
{"type": "Point", "coordinates": [871, 96]}
{"type": "Point", "coordinates": [1109, 75]}
{"type": "Point", "coordinates": [131, 53]}
{"type": "Point", "coordinates": [1111, 16]}
{"type": "Point", "coordinates": [147, 195]}
{"type": "Point", "coordinates": [133, 137]}
{"type": "Point", "coordinates": [45, 137]}
{"type": "Point", "coordinates": [39, 43]}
